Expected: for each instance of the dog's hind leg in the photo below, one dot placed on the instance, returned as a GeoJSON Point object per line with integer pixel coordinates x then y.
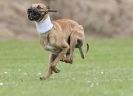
{"type": "Point", "coordinates": [73, 43]}
{"type": "Point", "coordinates": [79, 45]}
{"type": "Point", "coordinates": [55, 69]}
{"type": "Point", "coordinates": [76, 41]}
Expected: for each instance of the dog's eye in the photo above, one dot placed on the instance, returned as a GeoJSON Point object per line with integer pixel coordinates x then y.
{"type": "Point", "coordinates": [39, 7]}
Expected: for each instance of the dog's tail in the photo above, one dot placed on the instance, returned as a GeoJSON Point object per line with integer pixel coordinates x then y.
{"type": "Point", "coordinates": [81, 51]}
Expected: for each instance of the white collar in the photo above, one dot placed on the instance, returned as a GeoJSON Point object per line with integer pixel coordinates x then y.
{"type": "Point", "coordinates": [44, 26]}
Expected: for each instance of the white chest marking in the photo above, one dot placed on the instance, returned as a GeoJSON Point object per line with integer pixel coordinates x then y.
{"type": "Point", "coordinates": [49, 47]}
{"type": "Point", "coordinates": [52, 49]}
{"type": "Point", "coordinates": [44, 26]}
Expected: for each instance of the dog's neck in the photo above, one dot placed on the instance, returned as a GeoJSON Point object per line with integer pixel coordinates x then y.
{"type": "Point", "coordinates": [44, 25]}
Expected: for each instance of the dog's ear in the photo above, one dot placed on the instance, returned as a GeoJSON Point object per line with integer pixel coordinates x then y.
{"type": "Point", "coordinates": [49, 10]}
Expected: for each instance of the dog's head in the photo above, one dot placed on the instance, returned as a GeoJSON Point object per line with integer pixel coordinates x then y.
{"type": "Point", "coordinates": [38, 11]}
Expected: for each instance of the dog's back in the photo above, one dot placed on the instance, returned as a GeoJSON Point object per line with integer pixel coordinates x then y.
{"type": "Point", "coordinates": [69, 26]}
{"type": "Point", "coordinates": [67, 23]}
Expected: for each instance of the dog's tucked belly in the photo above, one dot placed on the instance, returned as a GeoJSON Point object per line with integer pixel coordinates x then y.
{"type": "Point", "coordinates": [51, 48]}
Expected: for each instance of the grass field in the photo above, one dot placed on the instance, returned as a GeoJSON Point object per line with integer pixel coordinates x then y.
{"type": "Point", "coordinates": [107, 70]}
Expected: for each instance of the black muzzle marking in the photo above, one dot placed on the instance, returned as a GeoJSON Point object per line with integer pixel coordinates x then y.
{"type": "Point", "coordinates": [34, 14]}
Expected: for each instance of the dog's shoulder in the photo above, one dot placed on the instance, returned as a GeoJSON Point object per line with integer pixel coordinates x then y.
{"type": "Point", "coordinates": [66, 21]}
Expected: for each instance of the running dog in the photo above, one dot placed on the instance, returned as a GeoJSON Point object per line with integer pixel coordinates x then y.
{"type": "Point", "coordinates": [60, 37]}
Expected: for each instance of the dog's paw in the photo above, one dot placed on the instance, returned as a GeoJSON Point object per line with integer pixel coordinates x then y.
{"type": "Point", "coordinates": [67, 60]}
{"type": "Point", "coordinates": [42, 78]}
{"type": "Point", "coordinates": [55, 69]}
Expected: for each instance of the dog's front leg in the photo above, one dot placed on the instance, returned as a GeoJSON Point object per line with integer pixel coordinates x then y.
{"type": "Point", "coordinates": [59, 57]}
{"type": "Point", "coordinates": [53, 63]}
{"type": "Point", "coordinates": [49, 73]}
{"type": "Point", "coordinates": [52, 57]}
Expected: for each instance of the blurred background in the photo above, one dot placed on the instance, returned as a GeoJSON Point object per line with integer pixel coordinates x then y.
{"type": "Point", "coordinates": [100, 18]}
{"type": "Point", "coordinates": [107, 69]}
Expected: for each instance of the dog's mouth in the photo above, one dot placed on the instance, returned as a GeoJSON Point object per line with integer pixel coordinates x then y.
{"type": "Point", "coordinates": [34, 15]}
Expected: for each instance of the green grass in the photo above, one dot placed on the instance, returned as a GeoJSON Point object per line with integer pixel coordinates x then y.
{"type": "Point", "coordinates": [107, 70]}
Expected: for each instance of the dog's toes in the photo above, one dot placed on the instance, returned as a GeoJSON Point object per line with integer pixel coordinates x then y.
{"type": "Point", "coordinates": [42, 78]}
{"type": "Point", "coordinates": [55, 69]}
{"type": "Point", "coordinates": [67, 60]}
{"type": "Point", "coordinates": [70, 61]}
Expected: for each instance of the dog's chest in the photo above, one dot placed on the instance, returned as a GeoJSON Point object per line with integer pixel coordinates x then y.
{"type": "Point", "coordinates": [51, 48]}
{"type": "Point", "coordinates": [47, 43]}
